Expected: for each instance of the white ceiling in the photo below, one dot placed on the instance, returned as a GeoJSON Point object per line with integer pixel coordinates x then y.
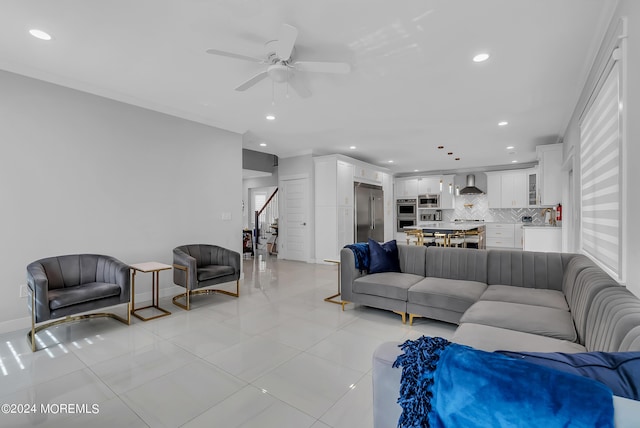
{"type": "Point", "coordinates": [412, 87]}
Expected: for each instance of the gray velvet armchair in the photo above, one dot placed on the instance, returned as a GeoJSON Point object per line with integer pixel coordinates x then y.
{"type": "Point", "coordinates": [68, 285]}
{"type": "Point", "coordinates": [202, 265]}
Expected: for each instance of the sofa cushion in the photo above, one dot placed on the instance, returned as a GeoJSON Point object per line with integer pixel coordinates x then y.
{"type": "Point", "coordinates": [383, 258]}
{"type": "Point", "coordinates": [393, 285]}
{"type": "Point", "coordinates": [68, 296]}
{"type": "Point", "coordinates": [457, 263]}
{"type": "Point", "coordinates": [620, 371]}
{"type": "Point", "coordinates": [214, 271]}
{"type": "Point", "coordinates": [527, 268]}
{"type": "Point", "coordinates": [413, 259]}
{"type": "Point", "coordinates": [455, 295]}
{"type": "Point", "coordinates": [539, 320]}
{"type": "Point", "coordinates": [490, 338]}
{"type": "Point", "coordinates": [527, 296]}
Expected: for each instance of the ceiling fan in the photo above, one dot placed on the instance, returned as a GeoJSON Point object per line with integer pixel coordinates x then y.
{"type": "Point", "coordinates": [281, 66]}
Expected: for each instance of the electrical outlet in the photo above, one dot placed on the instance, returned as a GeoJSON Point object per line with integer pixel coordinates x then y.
{"type": "Point", "coordinates": [24, 290]}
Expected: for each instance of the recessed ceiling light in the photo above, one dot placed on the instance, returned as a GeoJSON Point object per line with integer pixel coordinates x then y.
{"type": "Point", "coordinates": [441, 147]}
{"type": "Point", "coordinates": [481, 57]}
{"type": "Point", "coordinates": [390, 161]}
{"type": "Point", "coordinates": [510, 147]}
{"type": "Point", "coordinates": [263, 144]}
{"type": "Point", "coordinates": [270, 117]}
{"type": "Point", "coordinates": [352, 147]}
{"type": "Point", "coordinates": [450, 153]}
{"type": "Point", "coordinates": [39, 34]}
{"type": "Point", "coordinates": [503, 123]}
{"type": "Point", "coordinates": [415, 170]}
{"type": "Point", "coordinates": [514, 161]}
{"type": "Point", "coordinates": [457, 158]}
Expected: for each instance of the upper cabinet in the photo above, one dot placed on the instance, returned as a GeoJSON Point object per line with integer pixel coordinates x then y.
{"type": "Point", "coordinates": [406, 188]}
{"type": "Point", "coordinates": [550, 175]}
{"type": "Point", "coordinates": [443, 185]}
{"type": "Point", "coordinates": [368, 175]}
{"type": "Point", "coordinates": [507, 189]}
{"type": "Point", "coordinates": [345, 174]}
{"type": "Point", "coordinates": [447, 198]}
{"type": "Point", "coordinates": [428, 185]}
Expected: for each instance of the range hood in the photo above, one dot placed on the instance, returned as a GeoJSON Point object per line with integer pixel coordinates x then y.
{"type": "Point", "coordinates": [471, 188]}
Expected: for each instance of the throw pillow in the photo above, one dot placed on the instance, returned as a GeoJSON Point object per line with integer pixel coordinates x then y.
{"type": "Point", "coordinates": [383, 258]}
{"type": "Point", "coordinates": [620, 371]}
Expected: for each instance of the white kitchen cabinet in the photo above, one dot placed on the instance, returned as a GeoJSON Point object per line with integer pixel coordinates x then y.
{"type": "Point", "coordinates": [367, 175]}
{"type": "Point", "coordinates": [406, 188]}
{"type": "Point", "coordinates": [344, 184]}
{"type": "Point", "coordinates": [542, 238]}
{"type": "Point", "coordinates": [334, 177]}
{"type": "Point", "coordinates": [494, 189]}
{"type": "Point", "coordinates": [514, 190]}
{"type": "Point", "coordinates": [389, 206]}
{"type": "Point", "coordinates": [507, 189]}
{"type": "Point", "coordinates": [518, 238]}
{"type": "Point", "coordinates": [533, 199]}
{"type": "Point", "coordinates": [428, 185]}
{"type": "Point", "coordinates": [447, 198]}
{"type": "Point", "coordinates": [550, 168]}
{"type": "Point", "coordinates": [500, 235]}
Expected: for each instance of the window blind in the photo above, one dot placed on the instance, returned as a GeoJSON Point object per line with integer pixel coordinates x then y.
{"type": "Point", "coordinates": [600, 169]}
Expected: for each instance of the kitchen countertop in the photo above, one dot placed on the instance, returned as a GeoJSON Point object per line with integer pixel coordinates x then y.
{"type": "Point", "coordinates": [541, 226]}
{"type": "Point", "coordinates": [442, 225]}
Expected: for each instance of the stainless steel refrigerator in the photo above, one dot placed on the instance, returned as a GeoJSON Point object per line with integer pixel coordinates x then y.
{"type": "Point", "coordinates": [369, 212]}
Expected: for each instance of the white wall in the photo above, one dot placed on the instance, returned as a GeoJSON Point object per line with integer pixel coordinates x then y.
{"type": "Point", "coordinates": [84, 174]}
{"type": "Point", "coordinates": [630, 9]}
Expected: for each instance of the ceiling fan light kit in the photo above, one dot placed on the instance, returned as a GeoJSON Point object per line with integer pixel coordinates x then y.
{"type": "Point", "coordinates": [281, 67]}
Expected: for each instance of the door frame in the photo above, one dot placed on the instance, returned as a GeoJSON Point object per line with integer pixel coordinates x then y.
{"type": "Point", "coordinates": [310, 241]}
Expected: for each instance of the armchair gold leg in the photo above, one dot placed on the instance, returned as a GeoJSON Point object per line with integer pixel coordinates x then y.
{"type": "Point", "coordinates": [31, 335]}
{"type": "Point", "coordinates": [190, 293]}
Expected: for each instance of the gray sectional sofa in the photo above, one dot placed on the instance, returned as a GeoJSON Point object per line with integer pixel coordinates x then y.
{"type": "Point", "coordinates": [501, 300]}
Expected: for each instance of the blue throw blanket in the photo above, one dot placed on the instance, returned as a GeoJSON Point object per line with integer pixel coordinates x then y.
{"type": "Point", "coordinates": [361, 253]}
{"type": "Point", "coordinates": [449, 385]}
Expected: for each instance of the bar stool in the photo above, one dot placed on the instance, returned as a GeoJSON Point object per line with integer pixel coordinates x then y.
{"type": "Point", "coordinates": [456, 239]}
{"type": "Point", "coordinates": [441, 239]}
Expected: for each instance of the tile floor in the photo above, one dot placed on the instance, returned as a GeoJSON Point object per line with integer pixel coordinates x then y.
{"type": "Point", "coordinates": [278, 356]}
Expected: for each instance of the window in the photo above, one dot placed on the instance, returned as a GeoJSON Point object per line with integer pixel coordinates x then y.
{"type": "Point", "coordinates": [601, 173]}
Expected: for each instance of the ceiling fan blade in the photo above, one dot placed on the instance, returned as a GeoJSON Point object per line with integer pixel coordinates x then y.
{"type": "Point", "coordinates": [299, 87]}
{"type": "Point", "coordinates": [234, 55]}
{"type": "Point", "coordinates": [322, 67]}
{"type": "Point", "coordinates": [249, 83]}
{"type": "Point", "coordinates": [286, 40]}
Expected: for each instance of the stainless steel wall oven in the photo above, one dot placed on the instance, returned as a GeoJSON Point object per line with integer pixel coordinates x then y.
{"type": "Point", "coordinates": [406, 213]}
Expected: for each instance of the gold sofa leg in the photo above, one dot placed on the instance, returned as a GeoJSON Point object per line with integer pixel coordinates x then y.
{"type": "Point", "coordinates": [403, 315]}
{"type": "Point", "coordinates": [412, 316]}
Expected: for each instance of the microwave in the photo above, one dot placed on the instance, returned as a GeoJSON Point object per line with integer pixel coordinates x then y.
{"type": "Point", "coordinates": [429, 201]}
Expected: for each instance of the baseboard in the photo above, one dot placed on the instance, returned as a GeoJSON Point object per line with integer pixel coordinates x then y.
{"type": "Point", "coordinates": [15, 324]}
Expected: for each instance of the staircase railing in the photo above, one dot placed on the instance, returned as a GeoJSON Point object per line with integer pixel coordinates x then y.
{"type": "Point", "coordinates": [266, 218]}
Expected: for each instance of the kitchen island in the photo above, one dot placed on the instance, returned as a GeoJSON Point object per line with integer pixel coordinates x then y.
{"type": "Point", "coordinates": [464, 234]}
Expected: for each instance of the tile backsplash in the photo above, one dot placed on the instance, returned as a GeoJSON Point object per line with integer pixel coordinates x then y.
{"type": "Point", "coordinates": [478, 209]}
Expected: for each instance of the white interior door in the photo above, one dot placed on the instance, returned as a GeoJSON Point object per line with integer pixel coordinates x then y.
{"type": "Point", "coordinates": [294, 228]}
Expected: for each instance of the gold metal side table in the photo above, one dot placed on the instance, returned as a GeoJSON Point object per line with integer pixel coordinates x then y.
{"type": "Point", "coordinates": [154, 268]}
{"type": "Point", "coordinates": [331, 299]}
